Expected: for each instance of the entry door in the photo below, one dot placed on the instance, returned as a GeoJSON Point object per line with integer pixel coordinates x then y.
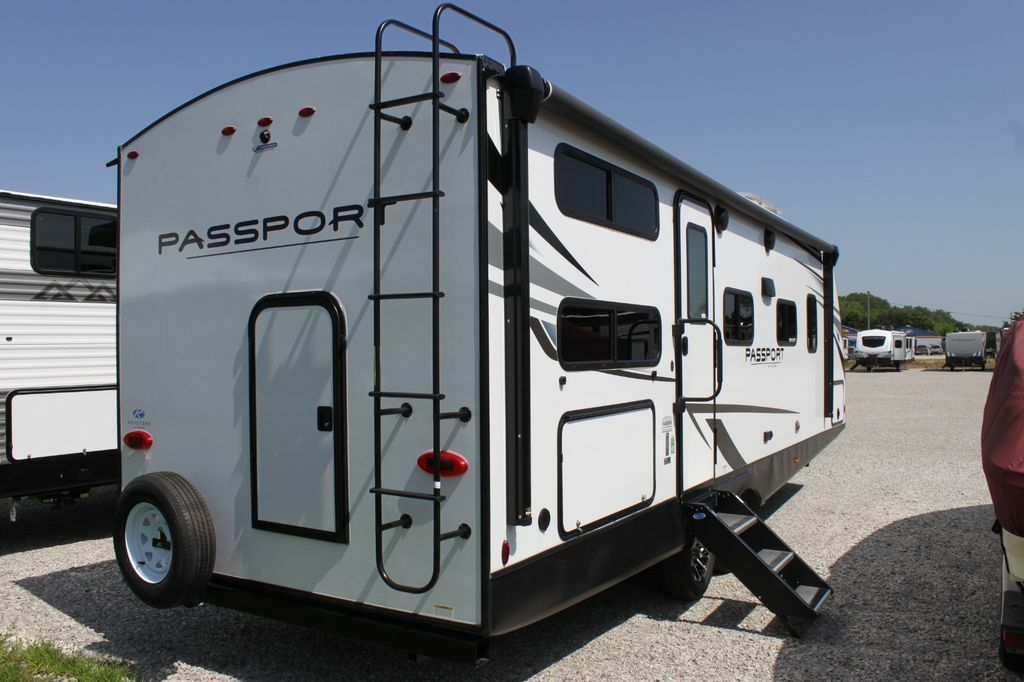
{"type": "Point", "coordinates": [695, 342]}
{"type": "Point", "coordinates": [297, 416]}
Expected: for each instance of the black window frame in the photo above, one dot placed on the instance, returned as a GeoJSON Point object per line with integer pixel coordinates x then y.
{"type": "Point", "coordinates": [614, 308]}
{"type": "Point", "coordinates": [812, 323]}
{"type": "Point", "coordinates": [730, 291]}
{"type": "Point", "coordinates": [611, 171]}
{"type": "Point", "coordinates": [77, 215]}
{"type": "Point", "coordinates": [780, 304]}
{"type": "Point", "coordinates": [697, 229]}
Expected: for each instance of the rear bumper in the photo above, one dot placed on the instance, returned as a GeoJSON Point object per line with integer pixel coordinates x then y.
{"type": "Point", "coordinates": [956, 361]}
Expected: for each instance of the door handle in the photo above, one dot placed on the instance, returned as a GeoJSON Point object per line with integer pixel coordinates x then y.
{"type": "Point", "coordinates": [324, 418]}
{"type": "Point", "coordinates": [685, 349]}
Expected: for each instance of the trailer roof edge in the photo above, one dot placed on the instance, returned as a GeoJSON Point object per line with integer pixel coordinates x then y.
{"type": "Point", "coordinates": [565, 104]}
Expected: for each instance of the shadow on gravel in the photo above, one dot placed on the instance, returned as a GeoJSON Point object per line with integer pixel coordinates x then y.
{"type": "Point", "coordinates": [253, 648]}
{"type": "Point", "coordinates": [918, 599]}
{"type": "Point", "coordinates": [41, 525]}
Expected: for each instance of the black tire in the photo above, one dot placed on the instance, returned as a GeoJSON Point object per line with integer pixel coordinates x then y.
{"type": "Point", "coordinates": [686, 575]}
{"type": "Point", "coordinates": [1012, 662]}
{"type": "Point", "coordinates": [191, 546]}
{"type": "Point", "coordinates": [897, 366]}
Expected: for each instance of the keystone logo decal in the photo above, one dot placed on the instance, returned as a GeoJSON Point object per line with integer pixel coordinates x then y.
{"type": "Point", "coordinates": [263, 233]}
{"type": "Point", "coordinates": [95, 293]}
{"type": "Point", "coordinates": [764, 356]}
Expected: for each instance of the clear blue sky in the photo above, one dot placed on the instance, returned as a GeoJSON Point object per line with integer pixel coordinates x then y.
{"type": "Point", "coordinates": [895, 129]}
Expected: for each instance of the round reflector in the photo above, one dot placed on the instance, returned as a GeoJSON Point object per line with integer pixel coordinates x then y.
{"type": "Point", "coordinates": [228, 130]}
{"type": "Point", "coordinates": [306, 112]}
{"type": "Point", "coordinates": [133, 154]}
{"type": "Point", "coordinates": [450, 77]}
{"type": "Point", "coordinates": [138, 440]}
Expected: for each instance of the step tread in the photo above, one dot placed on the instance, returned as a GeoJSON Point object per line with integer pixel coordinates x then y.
{"type": "Point", "coordinates": [813, 595]}
{"type": "Point", "coordinates": [737, 523]}
{"type": "Point", "coordinates": [777, 559]}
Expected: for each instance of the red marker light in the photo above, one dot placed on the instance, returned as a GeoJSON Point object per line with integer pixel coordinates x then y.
{"type": "Point", "coordinates": [138, 440]}
{"type": "Point", "coordinates": [133, 154]}
{"type": "Point", "coordinates": [452, 464]}
{"type": "Point", "coordinates": [504, 552]}
{"type": "Point", "coordinates": [450, 77]}
{"type": "Point", "coordinates": [264, 122]}
{"type": "Point", "coordinates": [306, 112]}
{"type": "Point", "coordinates": [228, 130]}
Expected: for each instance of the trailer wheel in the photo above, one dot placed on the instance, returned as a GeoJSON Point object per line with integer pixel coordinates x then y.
{"type": "Point", "coordinates": [164, 540]}
{"type": "Point", "coordinates": [686, 575]}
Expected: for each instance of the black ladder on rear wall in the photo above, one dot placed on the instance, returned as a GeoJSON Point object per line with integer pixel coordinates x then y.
{"type": "Point", "coordinates": [768, 567]}
{"type": "Point", "coordinates": [383, 115]}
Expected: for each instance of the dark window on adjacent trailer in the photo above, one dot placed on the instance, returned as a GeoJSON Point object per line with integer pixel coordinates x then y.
{"type": "Point", "coordinates": [696, 272]}
{"type": "Point", "coordinates": [602, 335]}
{"type": "Point", "coordinates": [812, 324]}
{"type": "Point", "coordinates": [873, 341]}
{"type": "Point", "coordinates": [785, 323]}
{"type": "Point", "coordinates": [596, 191]}
{"type": "Point", "coordinates": [66, 243]}
{"type": "Point", "coordinates": [898, 343]}
{"type": "Point", "coordinates": [738, 317]}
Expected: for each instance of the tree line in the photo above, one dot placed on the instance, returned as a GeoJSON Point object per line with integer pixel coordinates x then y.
{"type": "Point", "coordinates": [854, 309]}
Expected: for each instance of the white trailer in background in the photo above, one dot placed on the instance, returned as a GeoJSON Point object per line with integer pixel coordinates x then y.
{"type": "Point", "coordinates": [430, 350]}
{"type": "Point", "coordinates": [966, 349]}
{"type": "Point", "coordinates": [883, 348]}
{"type": "Point", "coordinates": [57, 346]}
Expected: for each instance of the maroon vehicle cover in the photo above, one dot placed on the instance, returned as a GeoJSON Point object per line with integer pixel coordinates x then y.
{"type": "Point", "coordinates": [1002, 433]}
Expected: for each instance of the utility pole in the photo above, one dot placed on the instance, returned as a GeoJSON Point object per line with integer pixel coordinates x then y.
{"type": "Point", "coordinates": [869, 310]}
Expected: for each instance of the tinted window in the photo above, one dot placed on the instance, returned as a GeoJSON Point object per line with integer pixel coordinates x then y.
{"type": "Point", "coordinates": [738, 317]}
{"type": "Point", "coordinates": [898, 343]}
{"type": "Point", "coordinates": [73, 244]}
{"type": "Point", "coordinates": [634, 205]}
{"type": "Point", "coordinates": [785, 319]}
{"type": "Point", "coordinates": [53, 237]}
{"type": "Point", "coordinates": [585, 335]}
{"type": "Point", "coordinates": [637, 335]}
{"type": "Point", "coordinates": [594, 190]}
{"type": "Point", "coordinates": [601, 335]}
{"type": "Point", "coordinates": [812, 324]}
{"type": "Point", "coordinates": [696, 272]}
{"type": "Point", "coordinates": [581, 188]}
{"type": "Point", "coordinates": [873, 341]}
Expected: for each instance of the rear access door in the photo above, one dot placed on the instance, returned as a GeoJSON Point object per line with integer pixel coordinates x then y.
{"type": "Point", "coordinates": [297, 456]}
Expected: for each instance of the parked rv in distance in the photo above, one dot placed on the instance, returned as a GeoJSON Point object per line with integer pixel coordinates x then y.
{"type": "Point", "coordinates": [461, 352]}
{"type": "Point", "coordinates": [58, 414]}
{"type": "Point", "coordinates": [966, 349]}
{"type": "Point", "coordinates": [883, 348]}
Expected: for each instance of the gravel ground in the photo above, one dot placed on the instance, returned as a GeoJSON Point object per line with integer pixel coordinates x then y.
{"type": "Point", "coordinates": [895, 514]}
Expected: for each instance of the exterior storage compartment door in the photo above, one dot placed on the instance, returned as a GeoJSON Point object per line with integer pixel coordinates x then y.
{"type": "Point", "coordinates": [297, 416]}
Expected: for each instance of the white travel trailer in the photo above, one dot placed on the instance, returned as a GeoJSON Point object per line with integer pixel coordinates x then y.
{"type": "Point", "coordinates": [57, 358]}
{"type": "Point", "coordinates": [883, 348]}
{"type": "Point", "coordinates": [966, 349]}
{"type": "Point", "coordinates": [429, 350]}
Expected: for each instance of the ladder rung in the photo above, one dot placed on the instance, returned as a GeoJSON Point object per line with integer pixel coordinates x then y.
{"type": "Point", "coordinates": [416, 294]}
{"type": "Point", "coordinates": [461, 115]}
{"type": "Point", "coordinates": [422, 97]}
{"type": "Point", "coordinates": [404, 394]}
{"type": "Point", "coordinates": [405, 521]}
{"type": "Point", "coordinates": [394, 199]}
{"type": "Point", "coordinates": [406, 493]}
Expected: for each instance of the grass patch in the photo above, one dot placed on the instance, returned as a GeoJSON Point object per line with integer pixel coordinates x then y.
{"type": "Point", "coordinates": [43, 661]}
